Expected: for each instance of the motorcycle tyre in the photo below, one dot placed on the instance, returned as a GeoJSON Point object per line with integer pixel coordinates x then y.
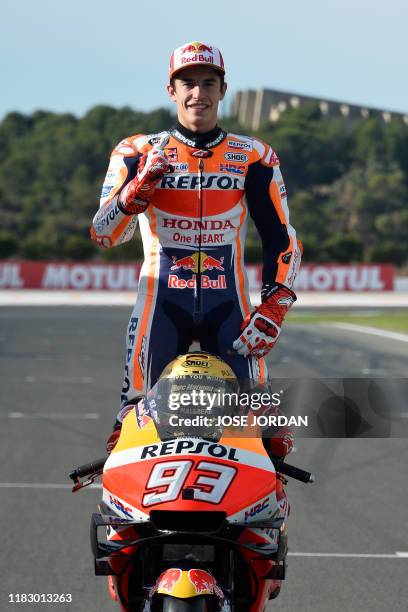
{"type": "Point", "coordinates": [195, 604]}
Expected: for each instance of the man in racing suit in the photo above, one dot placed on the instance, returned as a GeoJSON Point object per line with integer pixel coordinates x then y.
{"type": "Point", "coordinates": [192, 189]}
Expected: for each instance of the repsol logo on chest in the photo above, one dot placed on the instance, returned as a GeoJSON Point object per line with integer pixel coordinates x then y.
{"type": "Point", "coordinates": [182, 447]}
{"type": "Point", "coordinates": [208, 181]}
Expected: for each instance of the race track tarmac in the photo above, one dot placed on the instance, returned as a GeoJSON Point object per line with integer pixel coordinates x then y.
{"type": "Point", "coordinates": [60, 375]}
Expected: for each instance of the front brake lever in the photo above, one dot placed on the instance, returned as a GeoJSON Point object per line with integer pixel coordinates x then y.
{"type": "Point", "coordinates": [80, 484]}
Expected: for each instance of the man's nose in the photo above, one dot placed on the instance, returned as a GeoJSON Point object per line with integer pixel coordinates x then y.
{"type": "Point", "coordinates": [198, 90]}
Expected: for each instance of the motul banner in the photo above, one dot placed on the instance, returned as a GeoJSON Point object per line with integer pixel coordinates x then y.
{"type": "Point", "coordinates": [124, 277]}
{"type": "Point", "coordinates": [333, 277]}
{"type": "Point", "coordinates": [79, 276]}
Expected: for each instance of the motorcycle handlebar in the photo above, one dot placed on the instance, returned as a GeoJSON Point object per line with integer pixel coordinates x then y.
{"type": "Point", "coordinates": [88, 468]}
{"type": "Point", "coordinates": [295, 472]}
{"type": "Point", "coordinates": [96, 467]}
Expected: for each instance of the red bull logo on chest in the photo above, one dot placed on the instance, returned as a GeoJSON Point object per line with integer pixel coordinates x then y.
{"type": "Point", "coordinates": [197, 262]}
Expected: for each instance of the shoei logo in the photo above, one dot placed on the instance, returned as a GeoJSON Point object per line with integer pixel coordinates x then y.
{"type": "Point", "coordinates": [198, 363]}
{"type": "Point", "coordinates": [238, 157]}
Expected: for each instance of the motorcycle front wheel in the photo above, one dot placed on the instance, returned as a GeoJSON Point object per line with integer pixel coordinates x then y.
{"type": "Point", "coordinates": [195, 604]}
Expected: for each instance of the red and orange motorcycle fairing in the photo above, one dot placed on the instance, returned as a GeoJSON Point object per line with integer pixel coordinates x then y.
{"type": "Point", "coordinates": [233, 475]}
{"type": "Point", "coordinates": [144, 474]}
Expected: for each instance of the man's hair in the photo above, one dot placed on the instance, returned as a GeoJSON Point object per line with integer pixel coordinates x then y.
{"type": "Point", "coordinates": [219, 74]}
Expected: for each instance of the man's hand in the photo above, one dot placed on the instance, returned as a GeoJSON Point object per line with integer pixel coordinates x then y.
{"type": "Point", "coordinates": [113, 438]}
{"type": "Point", "coordinates": [261, 329]}
{"type": "Point", "coordinates": [136, 196]}
{"type": "Point", "coordinates": [281, 444]}
{"type": "Point", "coordinates": [117, 428]}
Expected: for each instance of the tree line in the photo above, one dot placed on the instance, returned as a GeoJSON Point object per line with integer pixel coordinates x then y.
{"type": "Point", "coordinates": [347, 184]}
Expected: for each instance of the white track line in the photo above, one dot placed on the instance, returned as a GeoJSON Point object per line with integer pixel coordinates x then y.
{"type": "Point", "coordinates": [54, 415]}
{"type": "Point", "coordinates": [330, 299]}
{"type": "Point", "coordinates": [374, 331]}
{"type": "Point", "coordinates": [84, 380]}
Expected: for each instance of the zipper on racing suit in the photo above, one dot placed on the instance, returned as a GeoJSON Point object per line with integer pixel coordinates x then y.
{"type": "Point", "coordinates": [198, 297]}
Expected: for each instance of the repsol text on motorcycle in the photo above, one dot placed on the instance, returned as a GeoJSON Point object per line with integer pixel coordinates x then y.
{"type": "Point", "coordinates": [188, 524]}
{"type": "Point", "coordinates": [189, 446]}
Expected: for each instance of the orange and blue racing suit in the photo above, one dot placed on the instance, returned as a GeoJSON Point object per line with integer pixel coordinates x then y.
{"type": "Point", "coordinates": [193, 284]}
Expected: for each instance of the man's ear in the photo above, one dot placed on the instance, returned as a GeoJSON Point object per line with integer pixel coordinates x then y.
{"type": "Point", "coordinates": [171, 91]}
{"type": "Point", "coordinates": [223, 90]}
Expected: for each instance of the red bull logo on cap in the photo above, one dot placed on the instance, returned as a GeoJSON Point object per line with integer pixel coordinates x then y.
{"type": "Point", "coordinates": [196, 47]}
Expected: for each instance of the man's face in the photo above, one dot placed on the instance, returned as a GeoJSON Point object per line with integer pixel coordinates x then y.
{"type": "Point", "coordinates": [197, 92]}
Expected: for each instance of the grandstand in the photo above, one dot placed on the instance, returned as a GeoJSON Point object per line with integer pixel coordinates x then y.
{"type": "Point", "coordinates": [254, 107]}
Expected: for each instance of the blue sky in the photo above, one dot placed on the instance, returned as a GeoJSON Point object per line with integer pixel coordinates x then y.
{"type": "Point", "coordinates": [69, 56]}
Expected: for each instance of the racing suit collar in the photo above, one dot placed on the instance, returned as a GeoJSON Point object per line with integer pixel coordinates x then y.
{"type": "Point", "coordinates": [205, 140]}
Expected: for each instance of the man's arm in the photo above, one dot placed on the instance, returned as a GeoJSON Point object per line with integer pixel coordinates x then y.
{"type": "Point", "coordinates": [267, 203]}
{"type": "Point", "coordinates": [111, 225]}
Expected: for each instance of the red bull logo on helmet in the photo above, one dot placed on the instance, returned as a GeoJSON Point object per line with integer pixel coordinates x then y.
{"type": "Point", "coordinates": [204, 582]}
{"type": "Point", "coordinates": [168, 579]}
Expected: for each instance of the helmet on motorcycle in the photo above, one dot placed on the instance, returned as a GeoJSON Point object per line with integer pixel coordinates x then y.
{"type": "Point", "coordinates": [191, 393]}
{"type": "Point", "coordinates": [194, 54]}
{"type": "Point", "coordinates": [199, 364]}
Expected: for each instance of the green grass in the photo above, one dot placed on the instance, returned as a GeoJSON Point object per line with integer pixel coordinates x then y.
{"type": "Point", "coordinates": [394, 320]}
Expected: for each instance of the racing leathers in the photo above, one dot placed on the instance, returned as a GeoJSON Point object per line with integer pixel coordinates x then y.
{"type": "Point", "coordinates": [193, 284]}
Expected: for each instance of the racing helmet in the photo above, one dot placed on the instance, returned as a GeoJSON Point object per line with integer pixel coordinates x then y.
{"type": "Point", "coordinates": [192, 392]}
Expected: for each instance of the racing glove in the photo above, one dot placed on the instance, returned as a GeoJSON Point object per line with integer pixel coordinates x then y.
{"type": "Point", "coordinates": [281, 444]}
{"type": "Point", "coordinates": [114, 437]}
{"type": "Point", "coordinates": [117, 428]}
{"type": "Point", "coordinates": [261, 328]}
{"type": "Point", "coordinates": [136, 196]}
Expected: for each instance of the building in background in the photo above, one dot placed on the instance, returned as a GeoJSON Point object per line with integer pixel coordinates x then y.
{"type": "Point", "coordinates": [254, 107]}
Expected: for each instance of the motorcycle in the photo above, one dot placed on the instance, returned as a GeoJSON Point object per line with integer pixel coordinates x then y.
{"type": "Point", "coordinates": [189, 523]}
